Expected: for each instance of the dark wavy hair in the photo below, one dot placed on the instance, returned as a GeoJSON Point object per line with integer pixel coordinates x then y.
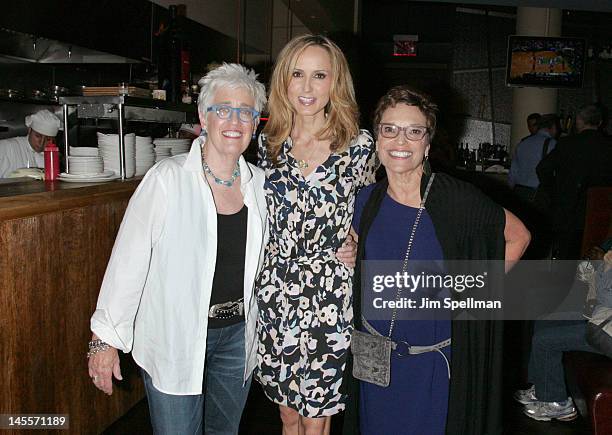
{"type": "Point", "coordinates": [404, 94]}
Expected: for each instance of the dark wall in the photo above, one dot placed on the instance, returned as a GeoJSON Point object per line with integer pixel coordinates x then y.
{"type": "Point", "coordinates": [114, 26]}
{"type": "Point", "coordinates": [454, 54]}
{"type": "Point", "coordinates": [371, 56]}
{"type": "Point", "coordinates": [205, 44]}
{"type": "Point", "coordinates": [119, 27]}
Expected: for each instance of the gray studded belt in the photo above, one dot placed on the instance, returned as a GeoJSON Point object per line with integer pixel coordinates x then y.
{"type": "Point", "coordinates": [227, 309]}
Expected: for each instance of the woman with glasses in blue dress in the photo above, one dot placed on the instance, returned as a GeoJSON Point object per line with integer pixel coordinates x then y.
{"type": "Point", "coordinates": [178, 290]}
{"type": "Point", "coordinates": [443, 375]}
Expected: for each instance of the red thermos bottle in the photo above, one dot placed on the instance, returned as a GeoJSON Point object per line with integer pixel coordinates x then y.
{"type": "Point", "coordinates": [51, 161]}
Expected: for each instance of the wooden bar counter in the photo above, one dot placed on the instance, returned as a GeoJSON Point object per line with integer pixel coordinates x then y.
{"type": "Point", "coordinates": [55, 241]}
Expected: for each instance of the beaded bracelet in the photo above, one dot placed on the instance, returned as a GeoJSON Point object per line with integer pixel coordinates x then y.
{"type": "Point", "coordinates": [96, 346]}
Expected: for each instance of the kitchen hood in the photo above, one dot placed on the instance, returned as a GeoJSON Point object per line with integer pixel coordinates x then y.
{"type": "Point", "coordinates": [18, 47]}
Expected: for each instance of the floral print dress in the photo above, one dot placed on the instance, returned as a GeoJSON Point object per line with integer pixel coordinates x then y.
{"type": "Point", "coordinates": [303, 291]}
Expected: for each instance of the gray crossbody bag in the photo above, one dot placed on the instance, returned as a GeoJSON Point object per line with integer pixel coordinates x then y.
{"type": "Point", "coordinates": [372, 350]}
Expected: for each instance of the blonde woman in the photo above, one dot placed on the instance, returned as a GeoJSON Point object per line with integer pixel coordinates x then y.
{"type": "Point", "coordinates": [316, 160]}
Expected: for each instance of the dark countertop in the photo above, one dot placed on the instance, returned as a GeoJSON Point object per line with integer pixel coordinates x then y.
{"type": "Point", "coordinates": [20, 197]}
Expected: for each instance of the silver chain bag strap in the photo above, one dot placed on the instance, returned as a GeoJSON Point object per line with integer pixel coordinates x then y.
{"type": "Point", "coordinates": [372, 352]}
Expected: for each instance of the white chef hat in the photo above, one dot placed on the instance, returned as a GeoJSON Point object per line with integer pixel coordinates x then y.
{"type": "Point", "coordinates": [194, 129]}
{"type": "Point", "coordinates": [43, 122]}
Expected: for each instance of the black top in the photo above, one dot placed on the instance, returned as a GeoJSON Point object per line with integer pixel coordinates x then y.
{"type": "Point", "coordinates": [228, 282]}
{"type": "Point", "coordinates": [469, 226]}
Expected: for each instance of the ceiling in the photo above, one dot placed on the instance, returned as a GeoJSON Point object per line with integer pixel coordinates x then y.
{"type": "Point", "coordinates": [324, 16]}
{"type": "Point", "coordinates": [585, 5]}
{"type": "Point", "coordinates": [328, 16]}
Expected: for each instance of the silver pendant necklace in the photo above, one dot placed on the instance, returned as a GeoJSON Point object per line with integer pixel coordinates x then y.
{"type": "Point", "coordinates": [227, 183]}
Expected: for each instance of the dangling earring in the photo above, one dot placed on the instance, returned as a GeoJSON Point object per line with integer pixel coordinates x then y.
{"type": "Point", "coordinates": [203, 132]}
{"type": "Point", "coordinates": [426, 165]}
{"type": "Point", "coordinates": [254, 136]}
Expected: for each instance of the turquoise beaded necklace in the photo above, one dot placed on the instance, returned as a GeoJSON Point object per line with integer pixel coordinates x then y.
{"type": "Point", "coordinates": [227, 183]}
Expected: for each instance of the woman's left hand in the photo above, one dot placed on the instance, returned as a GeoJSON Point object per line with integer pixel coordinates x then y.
{"type": "Point", "coordinates": [517, 239]}
{"type": "Point", "coordinates": [608, 260]}
{"type": "Point", "coordinates": [347, 253]}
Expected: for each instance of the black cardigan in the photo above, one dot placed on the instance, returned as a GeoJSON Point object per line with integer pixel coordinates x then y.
{"type": "Point", "coordinates": [469, 226]}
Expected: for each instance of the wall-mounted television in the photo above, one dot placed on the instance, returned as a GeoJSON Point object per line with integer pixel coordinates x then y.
{"type": "Point", "coordinates": [545, 61]}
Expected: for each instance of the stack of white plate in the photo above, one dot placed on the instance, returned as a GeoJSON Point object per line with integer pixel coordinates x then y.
{"type": "Point", "coordinates": [161, 153]}
{"type": "Point", "coordinates": [85, 165]}
{"type": "Point", "coordinates": [145, 156]}
{"type": "Point", "coordinates": [84, 151]}
{"type": "Point", "coordinates": [176, 146]}
{"type": "Point", "coordinates": [88, 178]}
{"type": "Point", "coordinates": [108, 145]}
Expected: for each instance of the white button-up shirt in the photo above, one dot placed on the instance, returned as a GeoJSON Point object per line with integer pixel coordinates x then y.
{"type": "Point", "coordinates": [15, 153]}
{"type": "Point", "coordinates": [155, 295]}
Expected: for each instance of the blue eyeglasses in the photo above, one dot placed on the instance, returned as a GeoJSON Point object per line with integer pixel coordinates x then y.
{"type": "Point", "coordinates": [245, 114]}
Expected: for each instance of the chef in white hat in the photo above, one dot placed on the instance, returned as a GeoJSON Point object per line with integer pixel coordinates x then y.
{"type": "Point", "coordinates": [189, 131]}
{"type": "Point", "coordinates": [27, 151]}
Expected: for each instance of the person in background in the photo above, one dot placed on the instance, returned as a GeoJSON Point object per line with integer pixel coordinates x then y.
{"type": "Point", "coordinates": [577, 162]}
{"type": "Point", "coordinates": [178, 289]}
{"type": "Point", "coordinates": [547, 399]}
{"type": "Point", "coordinates": [316, 160]}
{"type": "Point", "coordinates": [189, 131]}
{"type": "Point", "coordinates": [532, 124]}
{"type": "Point", "coordinates": [415, 214]}
{"type": "Point", "coordinates": [27, 151]}
{"type": "Point", "coordinates": [529, 152]}
{"type": "Point", "coordinates": [532, 206]}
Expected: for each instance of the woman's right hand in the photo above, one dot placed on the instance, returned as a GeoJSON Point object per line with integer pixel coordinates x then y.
{"type": "Point", "coordinates": [102, 366]}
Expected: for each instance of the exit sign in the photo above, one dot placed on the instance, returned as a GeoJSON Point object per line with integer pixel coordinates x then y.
{"type": "Point", "coordinates": [405, 45]}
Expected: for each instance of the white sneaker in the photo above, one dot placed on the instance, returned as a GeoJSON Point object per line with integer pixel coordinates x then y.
{"type": "Point", "coordinates": [546, 411]}
{"type": "Point", "coordinates": [525, 396]}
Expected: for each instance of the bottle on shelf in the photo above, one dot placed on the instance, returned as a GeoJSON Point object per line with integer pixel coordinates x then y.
{"type": "Point", "coordinates": [465, 156]}
{"type": "Point", "coordinates": [195, 93]}
{"type": "Point", "coordinates": [471, 160]}
{"type": "Point", "coordinates": [505, 157]}
{"type": "Point", "coordinates": [185, 92]}
{"type": "Point", "coordinates": [568, 124]}
{"type": "Point", "coordinates": [486, 151]}
{"type": "Point", "coordinates": [174, 60]}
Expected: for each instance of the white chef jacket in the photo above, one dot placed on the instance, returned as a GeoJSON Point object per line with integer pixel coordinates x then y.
{"type": "Point", "coordinates": [15, 153]}
{"type": "Point", "coordinates": [155, 295]}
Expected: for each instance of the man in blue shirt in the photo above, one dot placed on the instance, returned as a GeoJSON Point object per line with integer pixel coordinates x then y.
{"type": "Point", "coordinates": [532, 124]}
{"type": "Point", "coordinates": [529, 152]}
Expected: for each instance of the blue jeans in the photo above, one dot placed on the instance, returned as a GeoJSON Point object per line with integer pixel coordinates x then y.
{"type": "Point", "coordinates": [550, 339]}
{"type": "Point", "coordinates": [220, 406]}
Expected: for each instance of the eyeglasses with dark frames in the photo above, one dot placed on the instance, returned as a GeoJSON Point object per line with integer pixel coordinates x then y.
{"type": "Point", "coordinates": [411, 132]}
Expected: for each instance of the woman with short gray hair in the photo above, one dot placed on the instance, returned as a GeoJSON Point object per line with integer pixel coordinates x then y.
{"type": "Point", "coordinates": [178, 290]}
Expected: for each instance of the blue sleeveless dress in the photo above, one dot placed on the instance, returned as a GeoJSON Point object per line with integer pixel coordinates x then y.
{"type": "Point", "coordinates": [416, 401]}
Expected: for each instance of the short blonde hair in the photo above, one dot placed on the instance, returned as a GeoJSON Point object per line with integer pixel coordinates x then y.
{"type": "Point", "coordinates": [341, 125]}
